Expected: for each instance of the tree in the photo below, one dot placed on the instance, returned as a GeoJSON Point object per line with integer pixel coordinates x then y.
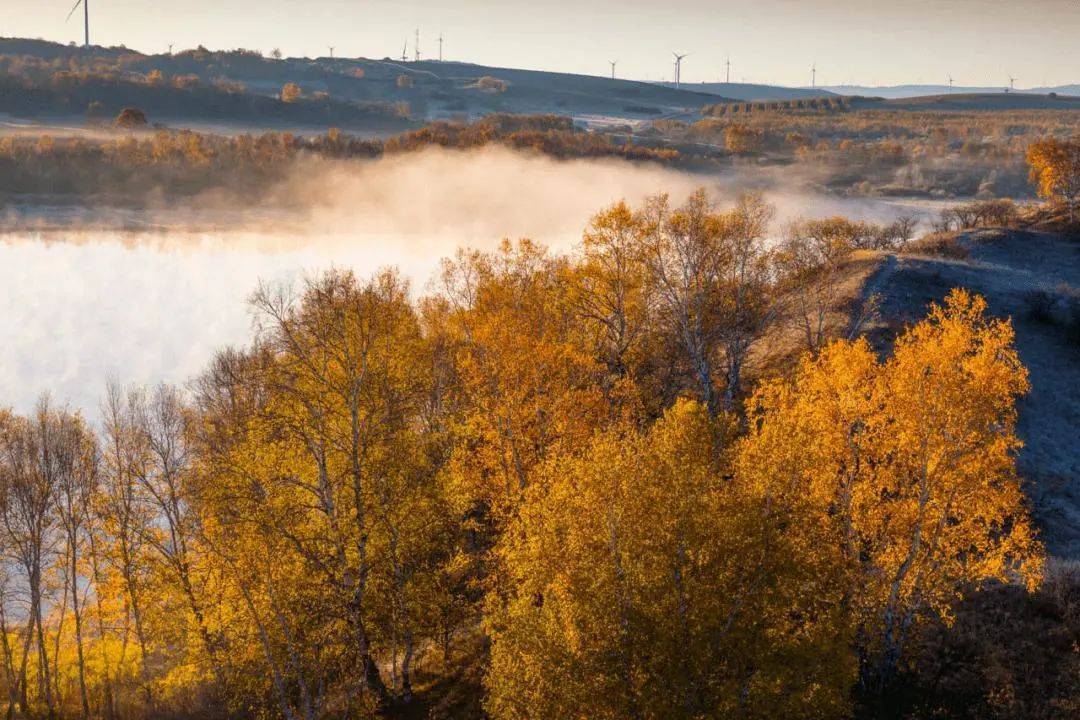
{"type": "Point", "coordinates": [41, 458]}
{"type": "Point", "coordinates": [742, 139]}
{"type": "Point", "coordinates": [1055, 169]}
{"type": "Point", "coordinates": [644, 583]}
{"type": "Point", "coordinates": [291, 92]}
{"type": "Point", "coordinates": [77, 479]}
{"type": "Point", "coordinates": [126, 522]}
{"type": "Point", "coordinates": [527, 383]}
{"type": "Point", "coordinates": [711, 275]}
{"type": "Point", "coordinates": [163, 473]}
{"type": "Point", "coordinates": [906, 467]}
{"type": "Point", "coordinates": [326, 444]}
{"type": "Point", "coordinates": [810, 260]}
{"type": "Point", "coordinates": [609, 287]}
{"type": "Point", "coordinates": [131, 118]}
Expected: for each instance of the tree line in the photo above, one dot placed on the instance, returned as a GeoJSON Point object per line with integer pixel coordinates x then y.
{"type": "Point", "coordinates": [557, 485]}
{"type": "Point", "coordinates": [133, 166]}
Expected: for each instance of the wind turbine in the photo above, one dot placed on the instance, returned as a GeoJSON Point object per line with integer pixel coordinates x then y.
{"type": "Point", "coordinates": [950, 84]}
{"type": "Point", "coordinates": [613, 63]}
{"type": "Point", "coordinates": [416, 46]}
{"type": "Point", "coordinates": [440, 47]}
{"type": "Point", "coordinates": [678, 66]}
{"type": "Point", "coordinates": [404, 50]}
{"type": "Point", "coordinates": [728, 76]}
{"type": "Point", "coordinates": [1012, 83]}
{"type": "Point", "coordinates": [813, 75]}
{"type": "Point", "coordinates": [331, 51]}
{"type": "Point", "coordinates": [86, 18]}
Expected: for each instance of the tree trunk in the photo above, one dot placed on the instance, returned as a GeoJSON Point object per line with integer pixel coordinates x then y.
{"type": "Point", "coordinates": [9, 664]}
{"type": "Point", "coordinates": [78, 632]}
{"type": "Point", "coordinates": [44, 678]}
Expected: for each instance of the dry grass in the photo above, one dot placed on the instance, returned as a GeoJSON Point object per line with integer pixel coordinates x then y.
{"type": "Point", "coordinates": [941, 244]}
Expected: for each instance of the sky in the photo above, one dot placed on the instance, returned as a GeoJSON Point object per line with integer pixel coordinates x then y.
{"type": "Point", "coordinates": [866, 42]}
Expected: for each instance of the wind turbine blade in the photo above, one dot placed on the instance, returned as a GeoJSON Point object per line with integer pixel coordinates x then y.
{"type": "Point", "coordinates": [73, 9]}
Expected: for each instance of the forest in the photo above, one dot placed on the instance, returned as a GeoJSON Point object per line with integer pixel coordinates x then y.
{"type": "Point", "coordinates": [881, 152]}
{"type": "Point", "coordinates": [132, 168]}
{"type": "Point", "coordinates": [661, 475]}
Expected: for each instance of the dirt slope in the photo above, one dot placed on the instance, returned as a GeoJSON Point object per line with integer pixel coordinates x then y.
{"type": "Point", "coordinates": [1004, 267]}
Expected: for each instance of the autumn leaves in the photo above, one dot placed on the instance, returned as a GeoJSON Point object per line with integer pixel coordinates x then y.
{"type": "Point", "coordinates": [678, 571]}
{"type": "Point", "coordinates": [546, 474]}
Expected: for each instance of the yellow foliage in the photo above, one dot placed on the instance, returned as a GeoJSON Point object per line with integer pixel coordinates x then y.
{"type": "Point", "coordinates": [1055, 169]}
{"type": "Point", "coordinates": [644, 582]}
{"type": "Point", "coordinates": [905, 467]}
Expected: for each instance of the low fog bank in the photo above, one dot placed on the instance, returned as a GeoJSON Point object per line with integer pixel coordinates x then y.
{"type": "Point", "coordinates": [445, 198]}
{"type": "Point", "coordinates": [149, 295]}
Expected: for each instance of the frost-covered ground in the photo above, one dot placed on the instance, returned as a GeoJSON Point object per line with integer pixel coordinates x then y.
{"type": "Point", "coordinates": [1004, 267]}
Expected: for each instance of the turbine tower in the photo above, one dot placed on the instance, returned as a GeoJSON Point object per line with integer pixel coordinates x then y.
{"type": "Point", "coordinates": [727, 78]}
{"type": "Point", "coordinates": [331, 51]}
{"type": "Point", "coordinates": [440, 47]}
{"type": "Point", "coordinates": [678, 66]}
{"type": "Point", "coordinates": [405, 50]}
{"type": "Point", "coordinates": [613, 63]}
{"type": "Point", "coordinates": [950, 84]}
{"type": "Point", "coordinates": [86, 19]}
{"type": "Point", "coordinates": [1012, 83]}
{"type": "Point", "coordinates": [416, 46]}
{"type": "Point", "coordinates": [813, 75]}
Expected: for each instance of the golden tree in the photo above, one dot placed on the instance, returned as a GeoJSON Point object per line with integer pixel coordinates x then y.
{"type": "Point", "coordinates": [644, 583]}
{"type": "Point", "coordinates": [710, 273]}
{"type": "Point", "coordinates": [291, 92]}
{"type": "Point", "coordinates": [527, 384]}
{"type": "Point", "coordinates": [1055, 169]}
{"type": "Point", "coordinates": [322, 459]}
{"type": "Point", "coordinates": [905, 468]}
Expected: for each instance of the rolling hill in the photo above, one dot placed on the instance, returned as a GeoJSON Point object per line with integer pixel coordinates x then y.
{"type": "Point", "coordinates": [977, 101]}
{"type": "Point", "coordinates": [754, 92]}
{"type": "Point", "coordinates": [426, 90]}
{"type": "Point", "coordinates": [912, 91]}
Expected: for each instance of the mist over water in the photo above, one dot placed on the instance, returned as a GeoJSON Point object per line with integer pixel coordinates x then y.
{"type": "Point", "coordinates": [80, 302]}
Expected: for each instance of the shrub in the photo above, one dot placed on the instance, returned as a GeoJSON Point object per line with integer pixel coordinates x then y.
{"type": "Point", "coordinates": [131, 117]}
{"type": "Point", "coordinates": [942, 244]}
{"type": "Point", "coordinates": [492, 84]}
{"type": "Point", "coordinates": [186, 82]}
{"type": "Point", "coordinates": [291, 93]}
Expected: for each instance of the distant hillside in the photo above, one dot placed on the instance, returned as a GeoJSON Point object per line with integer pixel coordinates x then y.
{"type": "Point", "coordinates": [464, 87]}
{"type": "Point", "coordinates": [911, 91]}
{"type": "Point", "coordinates": [101, 98]}
{"type": "Point", "coordinates": [431, 90]}
{"type": "Point", "coordinates": [930, 103]}
{"type": "Point", "coordinates": [753, 92]}
{"type": "Point", "coordinates": [980, 101]}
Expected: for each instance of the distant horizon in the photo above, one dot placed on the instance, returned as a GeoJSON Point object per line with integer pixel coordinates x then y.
{"type": "Point", "coordinates": [686, 83]}
{"type": "Point", "coordinates": [868, 43]}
